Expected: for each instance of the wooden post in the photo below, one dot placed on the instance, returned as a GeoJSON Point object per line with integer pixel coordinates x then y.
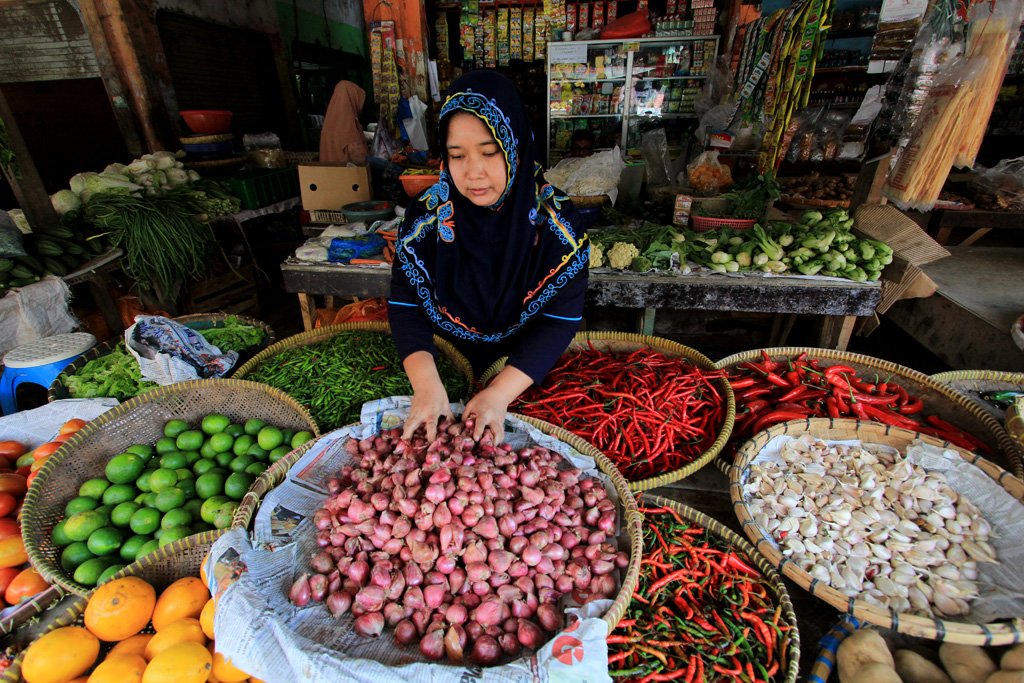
{"type": "Point", "coordinates": [28, 186]}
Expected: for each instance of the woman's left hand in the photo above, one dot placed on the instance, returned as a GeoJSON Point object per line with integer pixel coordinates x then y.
{"type": "Point", "coordinates": [488, 408]}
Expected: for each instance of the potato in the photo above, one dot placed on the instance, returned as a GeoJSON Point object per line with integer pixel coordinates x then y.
{"type": "Point", "coordinates": [1013, 659]}
{"type": "Point", "coordinates": [874, 672]}
{"type": "Point", "coordinates": [1006, 677]}
{"type": "Point", "coordinates": [966, 663]}
{"type": "Point", "coordinates": [913, 668]}
{"type": "Point", "coordinates": [863, 646]}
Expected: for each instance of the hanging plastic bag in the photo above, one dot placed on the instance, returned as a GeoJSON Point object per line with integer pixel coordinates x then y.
{"type": "Point", "coordinates": [707, 175]}
{"type": "Point", "coordinates": [416, 125]}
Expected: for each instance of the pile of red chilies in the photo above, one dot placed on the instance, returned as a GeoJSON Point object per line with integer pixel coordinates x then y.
{"type": "Point", "coordinates": [772, 391]}
{"type": "Point", "coordinates": [700, 612]}
{"type": "Point", "coordinates": [649, 413]}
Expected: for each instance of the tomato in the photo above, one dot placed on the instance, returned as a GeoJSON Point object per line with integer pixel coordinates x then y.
{"type": "Point", "coordinates": [9, 527]}
{"type": "Point", "coordinates": [24, 471]}
{"type": "Point", "coordinates": [13, 484]}
{"type": "Point", "coordinates": [30, 477]}
{"type": "Point", "coordinates": [37, 465]}
{"type": "Point", "coordinates": [12, 449]}
{"type": "Point", "coordinates": [12, 551]}
{"type": "Point", "coordinates": [7, 575]}
{"type": "Point", "coordinates": [72, 426]}
{"type": "Point", "coordinates": [7, 504]}
{"type": "Point", "coordinates": [46, 449]}
{"type": "Point", "coordinates": [27, 583]}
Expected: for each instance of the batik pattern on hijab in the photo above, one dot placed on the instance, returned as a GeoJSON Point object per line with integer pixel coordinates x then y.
{"type": "Point", "coordinates": [481, 273]}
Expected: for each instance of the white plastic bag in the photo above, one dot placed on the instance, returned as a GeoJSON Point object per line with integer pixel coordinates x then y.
{"type": "Point", "coordinates": [588, 176]}
{"type": "Point", "coordinates": [416, 127]}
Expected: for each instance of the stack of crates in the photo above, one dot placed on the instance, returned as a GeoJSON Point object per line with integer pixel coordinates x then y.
{"type": "Point", "coordinates": [264, 186]}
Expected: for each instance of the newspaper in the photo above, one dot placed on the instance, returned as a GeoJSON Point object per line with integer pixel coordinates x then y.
{"type": "Point", "coordinates": [1001, 584]}
{"type": "Point", "coordinates": [271, 639]}
{"type": "Point", "coordinates": [37, 426]}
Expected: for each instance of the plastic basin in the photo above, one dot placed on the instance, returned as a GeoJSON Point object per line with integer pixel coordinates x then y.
{"type": "Point", "coordinates": [207, 121]}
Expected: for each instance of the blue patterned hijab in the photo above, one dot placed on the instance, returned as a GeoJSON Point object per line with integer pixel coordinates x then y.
{"type": "Point", "coordinates": [481, 273]}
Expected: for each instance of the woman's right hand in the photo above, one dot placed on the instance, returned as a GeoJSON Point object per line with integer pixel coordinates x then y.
{"type": "Point", "coordinates": [429, 398]}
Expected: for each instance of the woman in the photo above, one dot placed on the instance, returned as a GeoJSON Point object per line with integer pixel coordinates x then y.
{"type": "Point", "coordinates": [491, 257]}
{"type": "Point", "coordinates": [342, 139]}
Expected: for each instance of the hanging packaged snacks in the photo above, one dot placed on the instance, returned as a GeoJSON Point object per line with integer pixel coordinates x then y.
{"type": "Point", "coordinates": [490, 38]}
{"type": "Point", "coordinates": [528, 21]}
{"type": "Point", "coordinates": [540, 36]}
{"type": "Point", "coordinates": [502, 32]}
{"type": "Point", "coordinates": [583, 19]}
{"type": "Point", "coordinates": [571, 15]}
{"type": "Point", "coordinates": [515, 32]}
{"type": "Point", "coordinates": [597, 15]}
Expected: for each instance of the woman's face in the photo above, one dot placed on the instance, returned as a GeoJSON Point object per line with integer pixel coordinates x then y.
{"type": "Point", "coordinates": [475, 160]}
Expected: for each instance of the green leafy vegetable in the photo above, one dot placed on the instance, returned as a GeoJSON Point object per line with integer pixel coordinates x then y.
{"type": "Point", "coordinates": [234, 335]}
{"type": "Point", "coordinates": [115, 375]}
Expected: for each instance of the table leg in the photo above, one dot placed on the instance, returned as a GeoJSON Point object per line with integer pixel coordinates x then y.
{"type": "Point", "coordinates": [836, 331]}
{"type": "Point", "coordinates": [307, 306]}
{"type": "Point", "coordinates": [99, 286]}
{"type": "Point", "coordinates": [974, 237]}
{"type": "Point", "coordinates": [646, 323]}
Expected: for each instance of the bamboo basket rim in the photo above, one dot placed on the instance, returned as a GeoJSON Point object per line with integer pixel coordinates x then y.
{"type": "Point", "coordinates": [931, 628]}
{"type": "Point", "coordinates": [828, 647]}
{"type": "Point", "coordinates": [631, 517]}
{"type": "Point", "coordinates": [979, 376]}
{"type": "Point", "coordinates": [1013, 454]}
{"type": "Point", "coordinates": [74, 611]}
{"type": "Point", "coordinates": [33, 531]}
{"type": "Point", "coordinates": [766, 568]}
{"type": "Point", "coordinates": [582, 339]}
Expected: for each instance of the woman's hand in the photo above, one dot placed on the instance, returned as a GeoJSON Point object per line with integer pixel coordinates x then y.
{"type": "Point", "coordinates": [429, 398]}
{"type": "Point", "coordinates": [488, 408]}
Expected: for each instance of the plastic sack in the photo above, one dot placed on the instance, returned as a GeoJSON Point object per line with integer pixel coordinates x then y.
{"type": "Point", "coordinates": [344, 249]}
{"type": "Point", "coordinates": [588, 176]}
{"type": "Point", "coordinates": [707, 175]}
{"type": "Point", "coordinates": [416, 125]}
{"type": "Point", "coordinates": [10, 237]}
{"type": "Point", "coordinates": [367, 310]}
{"type": "Point", "coordinates": [1004, 182]}
{"type": "Point", "coordinates": [169, 352]}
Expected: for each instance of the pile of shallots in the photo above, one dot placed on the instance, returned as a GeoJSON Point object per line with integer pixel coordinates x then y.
{"type": "Point", "coordinates": [461, 545]}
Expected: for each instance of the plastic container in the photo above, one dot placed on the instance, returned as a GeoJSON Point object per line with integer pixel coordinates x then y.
{"type": "Point", "coordinates": [262, 187]}
{"type": "Point", "coordinates": [207, 121]}
{"type": "Point", "coordinates": [415, 184]}
{"type": "Point", "coordinates": [373, 210]}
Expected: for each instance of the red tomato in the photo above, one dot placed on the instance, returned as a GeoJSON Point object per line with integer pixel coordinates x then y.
{"type": "Point", "coordinates": [9, 527]}
{"type": "Point", "coordinates": [12, 449]}
{"type": "Point", "coordinates": [7, 575]}
{"type": "Point", "coordinates": [46, 449]}
{"type": "Point", "coordinates": [13, 484]}
{"type": "Point", "coordinates": [12, 551]}
{"type": "Point", "coordinates": [72, 426]}
{"type": "Point", "coordinates": [7, 504]}
{"type": "Point", "coordinates": [26, 584]}
{"type": "Point", "coordinates": [30, 476]}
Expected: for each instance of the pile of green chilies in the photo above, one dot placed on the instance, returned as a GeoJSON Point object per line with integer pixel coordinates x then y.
{"type": "Point", "coordinates": [333, 378]}
{"type": "Point", "coordinates": [700, 612]}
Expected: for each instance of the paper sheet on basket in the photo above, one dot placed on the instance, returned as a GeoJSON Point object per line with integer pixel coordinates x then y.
{"type": "Point", "coordinates": [267, 636]}
{"type": "Point", "coordinates": [1001, 585]}
{"type": "Point", "coordinates": [39, 425]}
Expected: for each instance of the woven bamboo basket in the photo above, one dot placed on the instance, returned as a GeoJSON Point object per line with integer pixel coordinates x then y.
{"type": "Point", "coordinates": [160, 568]}
{"type": "Point", "coordinates": [631, 519]}
{"type": "Point", "coordinates": [200, 321]}
{"type": "Point", "coordinates": [589, 201]}
{"type": "Point", "coordinates": [789, 647]}
{"type": "Point", "coordinates": [971, 383]}
{"type": "Point", "coordinates": [996, 633]}
{"type": "Point", "coordinates": [28, 609]}
{"type": "Point", "coordinates": [938, 398]}
{"type": "Point", "coordinates": [828, 646]}
{"type": "Point", "coordinates": [138, 420]}
{"type": "Point", "coordinates": [612, 342]}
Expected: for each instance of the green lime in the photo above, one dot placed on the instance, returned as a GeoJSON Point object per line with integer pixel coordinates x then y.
{"type": "Point", "coordinates": [301, 438]}
{"type": "Point", "coordinates": [158, 533]}
{"type": "Point", "coordinates": [194, 507]}
{"type": "Point", "coordinates": [93, 488]}
{"type": "Point", "coordinates": [80, 504]}
{"type": "Point", "coordinates": [225, 515]}
{"type": "Point", "coordinates": [171, 498]}
{"type": "Point", "coordinates": [130, 548]}
{"type": "Point", "coordinates": [59, 538]}
{"type": "Point", "coordinates": [278, 453]}
{"type": "Point", "coordinates": [221, 442]}
{"type": "Point", "coordinates": [203, 466]}
{"type": "Point", "coordinates": [240, 463]}
{"type": "Point", "coordinates": [214, 423]}
{"type": "Point", "coordinates": [258, 453]}
{"type": "Point", "coordinates": [173, 518]}
{"type": "Point", "coordinates": [104, 512]}
{"type": "Point", "coordinates": [145, 521]}
{"type": "Point", "coordinates": [286, 435]}
{"type": "Point", "coordinates": [109, 573]}
{"type": "Point", "coordinates": [173, 461]}
{"type": "Point", "coordinates": [253, 426]}
{"type": "Point", "coordinates": [150, 500]}
{"type": "Point", "coordinates": [119, 493]}
{"type": "Point", "coordinates": [192, 457]}
{"type": "Point", "coordinates": [142, 483]}
{"type": "Point", "coordinates": [189, 441]}
{"type": "Point", "coordinates": [121, 516]}
{"type": "Point", "coordinates": [175, 533]}
{"type": "Point", "coordinates": [143, 450]}
{"type": "Point", "coordinates": [210, 506]}
{"type": "Point", "coordinates": [81, 524]}
{"type": "Point", "coordinates": [235, 430]}
{"type": "Point", "coordinates": [74, 555]}
{"type": "Point", "coordinates": [209, 485]}
{"type": "Point", "coordinates": [166, 445]}
{"type": "Point", "coordinates": [141, 498]}
{"type": "Point", "coordinates": [124, 468]}
{"type": "Point", "coordinates": [224, 459]}
{"type": "Point", "coordinates": [147, 547]}
{"type": "Point", "coordinates": [256, 469]}
{"type": "Point", "coordinates": [88, 573]}
{"type": "Point", "coordinates": [162, 479]}
{"type": "Point", "coordinates": [242, 444]}
{"type": "Point", "coordinates": [188, 487]}
{"type": "Point", "coordinates": [184, 474]}
{"type": "Point", "coordinates": [237, 484]}
{"type": "Point", "coordinates": [200, 526]}
{"type": "Point", "coordinates": [269, 438]}
{"type": "Point", "coordinates": [207, 450]}
{"type": "Point", "coordinates": [175, 427]}
{"type": "Point", "coordinates": [105, 541]}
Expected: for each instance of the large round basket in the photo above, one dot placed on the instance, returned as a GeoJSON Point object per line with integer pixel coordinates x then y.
{"type": "Point", "coordinates": [138, 420]}
{"type": "Point", "coordinates": [589, 201]}
{"type": "Point", "coordinates": [789, 646]}
{"type": "Point", "coordinates": [995, 633]}
{"type": "Point", "coordinates": [616, 342]}
{"type": "Point", "coordinates": [200, 321]}
{"type": "Point", "coordinates": [938, 398]}
{"type": "Point", "coordinates": [973, 383]}
{"type": "Point", "coordinates": [705, 223]}
{"type": "Point", "coordinates": [631, 518]}
{"type": "Point", "coordinates": [321, 334]}
{"type": "Point", "coordinates": [160, 569]}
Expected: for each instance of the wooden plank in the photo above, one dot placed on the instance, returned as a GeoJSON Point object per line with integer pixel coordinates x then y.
{"type": "Point", "coordinates": [27, 185]}
{"type": "Point", "coordinates": [836, 331]}
{"type": "Point", "coordinates": [307, 306]}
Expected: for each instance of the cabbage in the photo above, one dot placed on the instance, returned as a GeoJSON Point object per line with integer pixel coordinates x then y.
{"type": "Point", "coordinates": [110, 183]}
{"type": "Point", "coordinates": [163, 160]}
{"type": "Point", "coordinates": [114, 168]}
{"type": "Point", "coordinates": [140, 165]}
{"type": "Point", "coordinates": [77, 181]}
{"type": "Point", "coordinates": [18, 216]}
{"type": "Point", "coordinates": [64, 201]}
{"type": "Point", "coordinates": [176, 177]}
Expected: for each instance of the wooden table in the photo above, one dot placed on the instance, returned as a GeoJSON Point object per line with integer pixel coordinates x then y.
{"type": "Point", "coordinates": [839, 302]}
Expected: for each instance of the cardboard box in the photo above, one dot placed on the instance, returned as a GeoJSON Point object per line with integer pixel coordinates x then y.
{"type": "Point", "coordinates": [331, 186]}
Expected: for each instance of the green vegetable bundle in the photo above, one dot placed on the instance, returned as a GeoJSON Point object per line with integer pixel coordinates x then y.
{"type": "Point", "coordinates": [333, 378]}
{"type": "Point", "coordinates": [115, 375]}
{"type": "Point", "coordinates": [234, 335]}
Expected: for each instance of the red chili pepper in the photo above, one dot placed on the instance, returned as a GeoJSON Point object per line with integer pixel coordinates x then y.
{"type": "Point", "coordinates": [777, 416]}
{"type": "Point", "coordinates": [887, 417]}
{"type": "Point", "coordinates": [832, 407]}
{"type": "Point", "coordinates": [742, 383]}
{"type": "Point", "coordinates": [776, 380]}
{"type": "Point", "coordinates": [912, 406]}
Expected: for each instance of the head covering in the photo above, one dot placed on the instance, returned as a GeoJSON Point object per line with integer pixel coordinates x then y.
{"type": "Point", "coordinates": [481, 273]}
{"type": "Point", "coordinates": [342, 139]}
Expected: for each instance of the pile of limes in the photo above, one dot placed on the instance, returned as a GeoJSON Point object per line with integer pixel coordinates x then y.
{"type": "Point", "coordinates": [188, 482]}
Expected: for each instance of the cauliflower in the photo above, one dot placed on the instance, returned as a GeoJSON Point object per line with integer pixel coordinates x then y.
{"type": "Point", "coordinates": [596, 255]}
{"type": "Point", "coordinates": [621, 255]}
